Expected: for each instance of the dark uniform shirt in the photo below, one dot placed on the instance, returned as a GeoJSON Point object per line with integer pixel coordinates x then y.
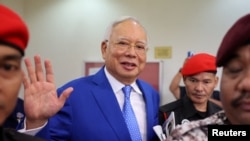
{"type": "Point", "coordinates": [185, 111]}
{"type": "Point", "coordinates": [17, 116]}
{"type": "Point", "coordinates": [9, 134]}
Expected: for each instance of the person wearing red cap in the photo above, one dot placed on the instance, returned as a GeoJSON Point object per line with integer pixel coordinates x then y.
{"type": "Point", "coordinates": [179, 91]}
{"type": "Point", "coordinates": [233, 56]}
{"type": "Point", "coordinates": [13, 41]}
{"type": "Point", "coordinates": [199, 77]}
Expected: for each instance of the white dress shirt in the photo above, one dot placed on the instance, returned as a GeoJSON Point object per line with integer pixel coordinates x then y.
{"type": "Point", "coordinates": [137, 102]}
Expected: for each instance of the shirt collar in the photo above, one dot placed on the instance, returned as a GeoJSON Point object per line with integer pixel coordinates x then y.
{"type": "Point", "coordinates": [117, 85]}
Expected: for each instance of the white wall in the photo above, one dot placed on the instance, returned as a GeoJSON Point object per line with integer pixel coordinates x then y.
{"type": "Point", "coordinates": [69, 32]}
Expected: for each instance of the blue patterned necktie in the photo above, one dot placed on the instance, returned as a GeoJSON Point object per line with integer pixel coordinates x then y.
{"type": "Point", "coordinates": [129, 115]}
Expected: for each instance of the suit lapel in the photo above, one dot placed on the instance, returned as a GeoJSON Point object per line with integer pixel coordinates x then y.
{"type": "Point", "coordinates": [107, 102]}
{"type": "Point", "coordinates": [148, 103]}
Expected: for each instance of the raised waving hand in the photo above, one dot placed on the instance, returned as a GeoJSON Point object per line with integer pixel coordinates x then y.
{"type": "Point", "coordinates": [41, 100]}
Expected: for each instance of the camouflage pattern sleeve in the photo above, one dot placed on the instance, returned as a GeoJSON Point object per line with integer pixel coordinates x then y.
{"type": "Point", "coordinates": [196, 130]}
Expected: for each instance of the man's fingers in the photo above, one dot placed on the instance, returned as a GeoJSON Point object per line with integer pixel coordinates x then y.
{"type": "Point", "coordinates": [49, 71]}
{"type": "Point", "coordinates": [38, 68]}
{"type": "Point", "coordinates": [25, 81]}
{"type": "Point", "coordinates": [30, 70]}
{"type": "Point", "coordinates": [65, 94]}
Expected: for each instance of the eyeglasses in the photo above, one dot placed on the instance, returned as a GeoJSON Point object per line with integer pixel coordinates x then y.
{"type": "Point", "coordinates": [139, 47]}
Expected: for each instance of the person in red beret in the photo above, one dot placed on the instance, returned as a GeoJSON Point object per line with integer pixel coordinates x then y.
{"type": "Point", "coordinates": [233, 56]}
{"type": "Point", "coordinates": [179, 91]}
{"type": "Point", "coordinates": [199, 77]}
{"type": "Point", "coordinates": [14, 38]}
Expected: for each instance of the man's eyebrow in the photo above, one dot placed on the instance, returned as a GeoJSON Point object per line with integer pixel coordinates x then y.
{"type": "Point", "coordinates": [232, 57]}
{"type": "Point", "coordinates": [210, 80]}
{"type": "Point", "coordinates": [192, 77]}
{"type": "Point", "coordinates": [124, 38]}
{"type": "Point", "coordinates": [10, 57]}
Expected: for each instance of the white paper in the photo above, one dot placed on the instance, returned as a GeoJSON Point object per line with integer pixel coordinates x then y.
{"type": "Point", "coordinates": [169, 124]}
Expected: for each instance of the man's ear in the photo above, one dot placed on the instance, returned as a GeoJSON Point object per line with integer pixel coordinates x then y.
{"type": "Point", "coordinates": [104, 46]}
{"type": "Point", "coordinates": [217, 80]}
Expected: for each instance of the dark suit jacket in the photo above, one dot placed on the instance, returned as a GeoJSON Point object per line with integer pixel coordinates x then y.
{"type": "Point", "coordinates": [92, 112]}
{"type": "Point", "coordinates": [8, 134]}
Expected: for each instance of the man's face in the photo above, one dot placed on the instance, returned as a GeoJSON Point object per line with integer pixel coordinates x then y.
{"type": "Point", "coordinates": [235, 87]}
{"type": "Point", "coordinates": [200, 87]}
{"type": "Point", "coordinates": [10, 80]}
{"type": "Point", "coordinates": [125, 52]}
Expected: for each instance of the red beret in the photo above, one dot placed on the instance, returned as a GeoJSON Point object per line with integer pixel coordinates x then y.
{"type": "Point", "coordinates": [237, 36]}
{"type": "Point", "coordinates": [198, 63]}
{"type": "Point", "coordinates": [13, 30]}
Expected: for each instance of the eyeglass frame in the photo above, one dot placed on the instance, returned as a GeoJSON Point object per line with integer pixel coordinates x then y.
{"type": "Point", "coordinates": [124, 44]}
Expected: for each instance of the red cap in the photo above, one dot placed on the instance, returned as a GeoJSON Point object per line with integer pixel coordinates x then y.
{"type": "Point", "coordinates": [13, 30]}
{"type": "Point", "coordinates": [237, 36]}
{"type": "Point", "coordinates": [198, 63]}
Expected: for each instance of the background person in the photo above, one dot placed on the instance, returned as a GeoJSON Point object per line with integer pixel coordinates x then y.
{"type": "Point", "coordinates": [180, 91]}
{"type": "Point", "coordinates": [199, 77]}
{"type": "Point", "coordinates": [14, 38]}
{"type": "Point", "coordinates": [234, 56]}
